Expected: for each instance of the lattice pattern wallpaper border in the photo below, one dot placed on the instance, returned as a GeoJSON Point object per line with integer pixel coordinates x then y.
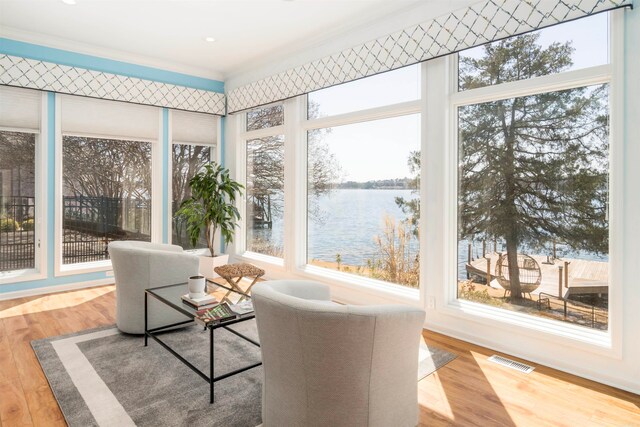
{"type": "Point", "coordinates": [35, 74]}
{"type": "Point", "coordinates": [473, 26]}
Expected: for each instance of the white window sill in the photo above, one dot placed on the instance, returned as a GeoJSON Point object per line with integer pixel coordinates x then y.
{"type": "Point", "coordinates": [583, 338]}
{"type": "Point", "coordinates": [261, 258]}
{"type": "Point", "coordinates": [16, 276]}
{"type": "Point", "coordinates": [395, 293]}
{"type": "Point", "coordinates": [84, 267]}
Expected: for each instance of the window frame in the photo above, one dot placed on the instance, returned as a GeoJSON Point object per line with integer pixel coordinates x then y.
{"type": "Point", "coordinates": [401, 109]}
{"type": "Point", "coordinates": [60, 269]}
{"type": "Point", "coordinates": [243, 136]}
{"type": "Point", "coordinates": [214, 147]}
{"type": "Point", "coordinates": [295, 127]}
{"type": "Point", "coordinates": [605, 342]}
{"type": "Point", "coordinates": [41, 203]}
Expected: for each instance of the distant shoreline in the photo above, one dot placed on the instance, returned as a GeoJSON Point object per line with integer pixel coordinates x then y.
{"type": "Point", "coordinates": [378, 184]}
{"type": "Point", "coordinates": [374, 188]}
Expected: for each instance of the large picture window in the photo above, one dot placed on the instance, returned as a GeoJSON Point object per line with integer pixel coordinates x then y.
{"type": "Point", "coordinates": [187, 160]}
{"type": "Point", "coordinates": [17, 200]}
{"type": "Point", "coordinates": [265, 195]}
{"type": "Point", "coordinates": [106, 195]}
{"type": "Point", "coordinates": [106, 173]}
{"type": "Point", "coordinates": [363, 202]}
{"type": "Point", "coordinates": [533, 186]}
{"type": "Point", "coordinates": [20, 143]}
{"type": "Point", "coordinates": [193, 144]}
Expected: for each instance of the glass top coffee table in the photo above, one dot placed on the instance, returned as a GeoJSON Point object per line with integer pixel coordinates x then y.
{"type": "Point", "coordinates": [171, 296]}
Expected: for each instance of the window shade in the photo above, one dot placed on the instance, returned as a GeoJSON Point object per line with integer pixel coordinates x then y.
{"type": "Point", "coordinates": [20, 108]}
{"type": "Point", "coordinates": [80, 115]}
{"type": "Point", "coordinates": [195, 128]}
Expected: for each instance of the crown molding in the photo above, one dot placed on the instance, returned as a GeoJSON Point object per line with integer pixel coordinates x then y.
{"type": "Point", "coordinates": [112, 54]}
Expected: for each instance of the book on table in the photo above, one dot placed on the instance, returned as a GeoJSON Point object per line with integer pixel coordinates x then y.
{"type": "Point", "coordinates": [218, 313]}
{"type": "Point", "coordinates": [243, 308]}
{"type": "Point", "coordinates": [201, 302]}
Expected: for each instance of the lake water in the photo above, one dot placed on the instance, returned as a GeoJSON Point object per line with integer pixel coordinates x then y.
{"type": "Point", "coordinates": [349, 220]}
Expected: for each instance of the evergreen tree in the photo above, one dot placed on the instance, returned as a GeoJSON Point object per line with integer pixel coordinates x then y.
{"type": "Point", "coordinates": [532, 168]}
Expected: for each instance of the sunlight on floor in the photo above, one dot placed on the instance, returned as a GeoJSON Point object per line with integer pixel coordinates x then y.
{"type": "Point", "coordinates": [55, 301]}
{"type": "Point", "coordinates": [433, 396]}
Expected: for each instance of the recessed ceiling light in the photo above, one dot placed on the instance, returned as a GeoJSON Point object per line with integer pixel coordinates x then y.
{"type": "Point", "coordinates": [210, 39]}
{"type": "Point", "coordinates": [69, 2]}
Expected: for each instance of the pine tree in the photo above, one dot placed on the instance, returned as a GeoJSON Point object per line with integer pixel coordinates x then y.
{"type": "Point", "coordinates": [532, 168]}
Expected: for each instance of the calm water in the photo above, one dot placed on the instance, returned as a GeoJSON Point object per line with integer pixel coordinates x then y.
{"type": "Point", "coordinates": [349, 220]}
{"type": "Point", "coordinates": [347, 223]}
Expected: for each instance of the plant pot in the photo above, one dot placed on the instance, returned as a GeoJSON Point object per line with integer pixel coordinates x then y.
{"type": "Point", "coordinates": [207, 264]}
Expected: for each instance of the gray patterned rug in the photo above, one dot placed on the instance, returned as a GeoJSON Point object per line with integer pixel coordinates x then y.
{"type": "Point", "coordinates": [101, 377]}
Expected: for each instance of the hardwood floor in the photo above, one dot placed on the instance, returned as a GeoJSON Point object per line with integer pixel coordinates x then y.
{"type": "Point", "coordinates": [469, 391]}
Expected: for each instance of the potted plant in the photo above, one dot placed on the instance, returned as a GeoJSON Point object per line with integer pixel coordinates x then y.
{"type": "Point", "coordinates": [211, 208]}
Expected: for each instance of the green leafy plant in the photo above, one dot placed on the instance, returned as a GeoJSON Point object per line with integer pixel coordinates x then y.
{"type": "Point", "coordinates": [9, 224]}
{"type": "Point", "coordinates": [28, 224]}
{"type": "Point", "coordinates": [211, 206]}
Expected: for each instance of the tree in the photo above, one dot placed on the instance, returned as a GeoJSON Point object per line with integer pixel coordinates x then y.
{"type": "Point", "coordinates": [187, 161]}
{"type": "Point", "coordinates": [107, 182]}
{"type": "Point", "coordinates": [98, 167]}
{"type": "Point", "coordinates": [265, 165]}
{"type": "Point", "coordinates": [532, 168]}
{"type": "Point", "coordinates": [411, 207]}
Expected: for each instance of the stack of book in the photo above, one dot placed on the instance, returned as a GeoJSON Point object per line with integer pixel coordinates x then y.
{"type": "Point", "coordinates": [206, 301]}
{"type": "Point", "coordinates": [219, 313]}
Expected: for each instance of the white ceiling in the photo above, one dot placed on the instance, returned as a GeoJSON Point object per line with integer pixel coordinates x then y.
{"type": "Point", "coordinates": [170, 33]}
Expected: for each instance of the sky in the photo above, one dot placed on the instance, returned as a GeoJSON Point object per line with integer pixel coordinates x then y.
{"type": "Point", "coordinates": [380, 149]}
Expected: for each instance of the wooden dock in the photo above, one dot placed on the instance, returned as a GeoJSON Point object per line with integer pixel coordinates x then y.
{"type": "Point", "coordinates": [584, 276]}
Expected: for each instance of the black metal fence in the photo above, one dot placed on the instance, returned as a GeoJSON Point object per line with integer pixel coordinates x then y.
{"type": "Point", "coordinates": [573, 311]}
{"type": "Point", "coordinates": [89, 224]}
{"type": "Point", "coordinates": [17, 236]}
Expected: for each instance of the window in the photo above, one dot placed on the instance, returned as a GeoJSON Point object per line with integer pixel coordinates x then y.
{"type": "Point", "coordinates": [265, 195]}
{"type": "Point", "coordinates": [573, 45]}
{"type": "Point", "coordinates": [194, 137]}
{"type": "Point", "coordinates": [533, 185]}
{"type": "Point", "coordinates": [363, 184]}
{"type": "Point", "coordinates": [106, 176]}
{"type": "Point", "coordinates": [106, 195]}
{"type": "Point", "coordinates": [19, 140]}
{"type": "Point", "coordinates": [264, 182]}
{"type": "Point", "coordinates": [265, 117]}
{"type": "Point", "coordinates": [17, 200]}
{"type": "Point", "coordinates": [388, 88]}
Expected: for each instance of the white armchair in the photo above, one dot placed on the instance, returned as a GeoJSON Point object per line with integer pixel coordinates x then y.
{"type": "Point", "coordinates": [141, 265]}
{"type": "Point", "coordinates": [327, 364]}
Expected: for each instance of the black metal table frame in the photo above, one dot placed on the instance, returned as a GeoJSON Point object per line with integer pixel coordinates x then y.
{"type": "Point", "coordinates": [208, 378]}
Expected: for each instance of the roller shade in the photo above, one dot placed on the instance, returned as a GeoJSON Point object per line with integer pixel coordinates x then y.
{"type": "Point", "coordinates": [20, 108]}
{"type": "Point", "coordinates": [472, 26]}
{"type": "Point", "coordinates": [194, 128]}
{"type": "Point", "coordinates": [80, 115]}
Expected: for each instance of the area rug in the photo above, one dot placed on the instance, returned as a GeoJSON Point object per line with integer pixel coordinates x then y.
{"type": "Point", "coordinates": [432, 358]}
{"type": "Point", "coordinates": [101, 377]}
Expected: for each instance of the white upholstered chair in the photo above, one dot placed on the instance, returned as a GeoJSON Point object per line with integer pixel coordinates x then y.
{"type": "Point", "coordinates": [335, 365]}
{"type": "Point", "coordinates": [141, 265]}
